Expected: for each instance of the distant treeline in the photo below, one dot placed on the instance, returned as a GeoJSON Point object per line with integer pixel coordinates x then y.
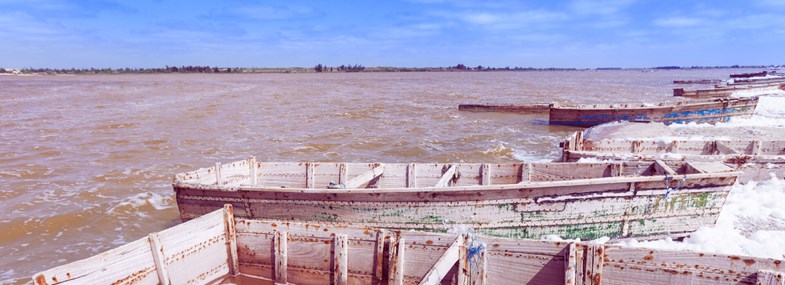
{"type": "Point", "coordinates": [325, 68]}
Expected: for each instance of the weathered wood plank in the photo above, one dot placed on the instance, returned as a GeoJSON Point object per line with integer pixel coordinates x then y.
{"type": "Point", "coordinates": [663, 168]}
{"type": "Point", "coordinates": [342, 176]}
{"type": "Point", "coordinates": [397, 263]}
{"type": "Point", "coordinates": [411, 175]}
{"type": "Point", "coordinates": [570, 264]}
{"type": "Point", "coordinates": [595, 261]}
{"type": "Point", "coordinates": [485, 174]}
{"type": "Point", "coordinates": [252, 171]}
{"type": "Point", "coordinates": [444, 263]}
{"type": "Point", "coordinates": [159, 259]}
{"type": "Point", "coordinates": [364, 178]}
{"type": "Point", "coordinates": [218, 177]}
{"type": "Point", "coordinates": [231, 239]}
{"type": "Point", "coordinates": [341, 258]}
{"type": "Point", "coordinates": [448, 176]}
{"type": "Point", "coordinates": [767, 277]}
{"type": "Point", "coordinates": [309, 177]}
{"type": "Point", "coordinates": [280, 248]}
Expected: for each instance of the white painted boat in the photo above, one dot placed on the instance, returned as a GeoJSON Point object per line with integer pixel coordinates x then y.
{"type": "Point", "coordinates": [219, 249]}
{"type": "Point", "coordinates": [521, 200]}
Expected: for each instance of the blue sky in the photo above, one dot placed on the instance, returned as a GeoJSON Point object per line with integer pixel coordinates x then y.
{"type": "Point", "coordinates": [414, 33]}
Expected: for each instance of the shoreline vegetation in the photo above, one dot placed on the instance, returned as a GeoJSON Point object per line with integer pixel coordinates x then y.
{"type": "Point", "coordinates": [319, 68]}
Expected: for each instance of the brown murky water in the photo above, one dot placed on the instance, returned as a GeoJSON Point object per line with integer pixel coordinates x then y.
{"type": "Point", "coordinates": [86, 161]}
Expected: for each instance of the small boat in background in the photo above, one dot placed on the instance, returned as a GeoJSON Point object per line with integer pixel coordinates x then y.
{"type": "Point", "coordinates": [530, 108]}
{"type": "Point", "coordinates": [705, 111]}
{"type": "Point", "coordinates": [748, 75]}
{"type": "Point", "coordinates": [698, 81]}
{"type": "Point", "coordinates": [520, 200]}
{"type": "Point", "coordinates": [218, 248]}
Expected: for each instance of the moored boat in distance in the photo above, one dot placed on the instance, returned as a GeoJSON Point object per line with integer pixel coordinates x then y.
{"type": "Point", "coordinates": [698, 81]}
{"type": "Point", "coordinates": [530, 108]}
{"type": "Point", "coordinates": [521, 200]}
{"type": "Point", "coordinates": [703, 111]}
{"type": "Point", "coordinates": [218, 248]}
{"type": "Point", "coordinates": [748, 75]}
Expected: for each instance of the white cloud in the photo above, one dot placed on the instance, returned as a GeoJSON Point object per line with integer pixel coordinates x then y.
{"type": "Point", "coordinates": [680, 22]}
{"type": "Point", "coordinates": [272, 13]}
{"type": "Point", "coordinates": [599, 7]}
{"type": "Point", "coordinates": [515, 20]}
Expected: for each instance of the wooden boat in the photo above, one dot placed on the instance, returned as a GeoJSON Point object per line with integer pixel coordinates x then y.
{"type": "Point", "coordinates": [531, 108]}
{"type": "Point", "coordinates": [748, 75]}
{"type": "Point", "coordinates": [521, 200]}
{"type": "Point", "coordinates": [219, 249]}
{"type": "Point", "coordinates": [704, 111]}
{"type": "Point", "coordinates": [756, 159]}
{"type": "Point", "coordinates": [708, 93]}
{"type": "Point", "coordinates": [699, 81]}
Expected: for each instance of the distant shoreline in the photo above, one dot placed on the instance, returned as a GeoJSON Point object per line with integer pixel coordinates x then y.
{"type": "Point", "coordinates": [335, 69]}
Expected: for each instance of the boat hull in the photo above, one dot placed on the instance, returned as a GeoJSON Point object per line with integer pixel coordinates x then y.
{"type": "Point", "coordinates": [569, 200]}
{"type": "Point", "coordinates": [710, 111]}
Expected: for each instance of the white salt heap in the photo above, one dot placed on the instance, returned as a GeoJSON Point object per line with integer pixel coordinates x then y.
{"type": "Point", "coordinates": [752, 222]}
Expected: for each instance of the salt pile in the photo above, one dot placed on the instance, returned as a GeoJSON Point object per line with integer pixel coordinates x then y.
{"type": "Point", "coordinates": [752, 221]}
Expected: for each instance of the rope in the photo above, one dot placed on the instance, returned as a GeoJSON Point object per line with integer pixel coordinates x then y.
{"type": "Point", "coordinates": [669, 189]}
{"type": "Point", "coordinates": [473, 254]}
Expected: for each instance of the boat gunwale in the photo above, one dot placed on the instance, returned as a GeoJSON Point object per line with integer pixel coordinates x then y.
{"type": "Point", "coordinates": [431, 189]}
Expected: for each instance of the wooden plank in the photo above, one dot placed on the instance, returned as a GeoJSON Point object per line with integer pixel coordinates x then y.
{"type": "Point", "coordinates": [364, 178]}
{"type": "Point", "coordinates": [280, 248]}
{"type": "Point", "coordinates": [341, 258]}
{"type": "Point", "coordinates": [448, 175]}
{"type": "Point", "coordinates": [721, 148]}
{"type": "Point", "coordinates": [231, 239]}
{"type": "Point", "coordinates": [381, 236]}
{"type": "Point", "coordinates": [444, 263]}
{"type": "Point", "coordinates": [411, 175]}
{"type": "Point", "coordinates": [309, 181]}
{"type": "Point", "coordinates": [159, 259]}
{"type": "Point", "coordinates": [766, 277]}
{"type": "Point", "coordinates": [342, 176]}
{"type": "Point", "coordinates": [485, 174]}
{"type": "Point", "coordinates": [526, 172]}
{"type": "Point", "coordinates": [397, 262]}
{"type": "Point", "coordinates": [595, 260]}
{"type": "Point", "coordinates": [663, 168]}
{"type": "Point", "coordinates": [252, 171]}
{"type": "Point", "coordinates": [218, 178]}
{"type": "Point", "coordinates": [570, 264]}
{"type": "Point", "coordinates": [756, 145]}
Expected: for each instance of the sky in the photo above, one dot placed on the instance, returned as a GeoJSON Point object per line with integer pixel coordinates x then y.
{"type": "Point", "coordinates": [411, 33]}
